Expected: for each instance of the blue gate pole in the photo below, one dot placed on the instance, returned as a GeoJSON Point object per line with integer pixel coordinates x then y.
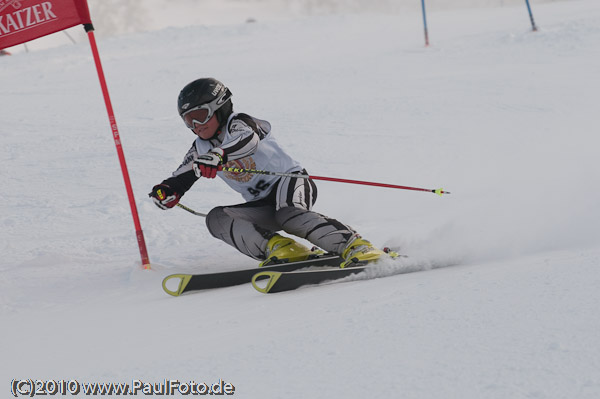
{"type": "Point", "coordinates": [425, 23]}
{"type": "Point", "coordinates": [533, 27]}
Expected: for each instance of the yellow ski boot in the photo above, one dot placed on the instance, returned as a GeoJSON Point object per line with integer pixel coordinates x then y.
{"type": "Point", "coordinates": [284, 250]}
{"type": "Point", "coordinates": [359, 252]}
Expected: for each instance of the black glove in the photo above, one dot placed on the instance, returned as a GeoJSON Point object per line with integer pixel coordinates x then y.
{"type": "Point", "coordinates": [164, 196]}
{"type": "Point", "coordinates": [207, 165]}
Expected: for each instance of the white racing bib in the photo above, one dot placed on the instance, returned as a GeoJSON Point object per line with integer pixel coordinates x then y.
{"type": "Point", "coordinates": [267, 155]}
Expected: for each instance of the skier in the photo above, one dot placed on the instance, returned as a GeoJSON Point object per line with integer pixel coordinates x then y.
{"type": "Point", "coordinates": [272, 204]}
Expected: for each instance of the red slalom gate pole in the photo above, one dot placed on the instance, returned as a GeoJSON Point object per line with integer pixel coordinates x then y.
{"type": "Point", "coordinates": [89, 28]}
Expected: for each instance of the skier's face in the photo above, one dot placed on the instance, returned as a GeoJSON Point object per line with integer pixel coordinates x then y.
{"type": "Point", "coordinates": [207, 130]}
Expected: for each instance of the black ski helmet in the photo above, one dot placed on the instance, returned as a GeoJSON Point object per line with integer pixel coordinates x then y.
{"type": "Point", "coordinates": [204, 91]}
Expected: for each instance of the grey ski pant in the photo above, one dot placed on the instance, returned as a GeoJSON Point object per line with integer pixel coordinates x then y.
{"type": "Point", "coordinates": [249, 226]}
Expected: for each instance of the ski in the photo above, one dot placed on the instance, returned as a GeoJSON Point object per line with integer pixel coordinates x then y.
{"type": "Point", "coordinates": [194, 282]}
{"type": "Point", "coordinates": [280, 281]}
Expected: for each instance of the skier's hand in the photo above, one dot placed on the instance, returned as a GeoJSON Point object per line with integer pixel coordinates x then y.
{"type": "Point", "coordinates": [164, 196]}
{"type": "Point", "coordinates": [208, 164]}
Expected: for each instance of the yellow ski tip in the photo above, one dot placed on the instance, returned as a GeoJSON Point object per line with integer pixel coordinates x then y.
{"type": "Point", "coordinates": [272, 279]}
{"type": "Point", "coordinates": [184, 280]}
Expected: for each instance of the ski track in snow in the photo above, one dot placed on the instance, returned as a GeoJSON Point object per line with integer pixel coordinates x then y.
{"type": "Point", "coordinates": [497, 298]}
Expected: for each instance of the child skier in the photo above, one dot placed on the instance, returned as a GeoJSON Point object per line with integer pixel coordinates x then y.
{"type": "Point", "coordinates": [272, 204]}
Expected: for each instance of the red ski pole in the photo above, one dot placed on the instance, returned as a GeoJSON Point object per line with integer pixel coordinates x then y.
{"type": "Point", "coordinates": [438, 191]}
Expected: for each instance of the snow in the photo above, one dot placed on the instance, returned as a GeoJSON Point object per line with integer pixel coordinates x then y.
{"type": "Point", "coordinates": [504, 300]}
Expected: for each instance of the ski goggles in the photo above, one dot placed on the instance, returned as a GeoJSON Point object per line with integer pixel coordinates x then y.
{"type": "Point", "coordinates": [198, 115]}
{"type": "Point", "coordinates": [201, 114]}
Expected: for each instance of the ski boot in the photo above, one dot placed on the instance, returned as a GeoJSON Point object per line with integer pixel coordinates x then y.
{"type": "Point", "coordinates": [284, 250]}
{"type": "Point", "coordinates": [359, 251]}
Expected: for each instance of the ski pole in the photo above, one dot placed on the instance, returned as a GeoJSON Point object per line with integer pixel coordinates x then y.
{"type": "Point", "coordinates": [438, 191]}
{"type": "Point", "coordinates": [190, 210]}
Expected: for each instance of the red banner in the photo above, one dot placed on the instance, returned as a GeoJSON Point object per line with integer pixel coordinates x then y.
{"type": "Point", "coordinates": [25, 20]}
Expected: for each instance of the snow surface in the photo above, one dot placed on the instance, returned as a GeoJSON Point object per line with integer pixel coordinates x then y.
{"type": "Point", "coordinates": [505, 303]}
